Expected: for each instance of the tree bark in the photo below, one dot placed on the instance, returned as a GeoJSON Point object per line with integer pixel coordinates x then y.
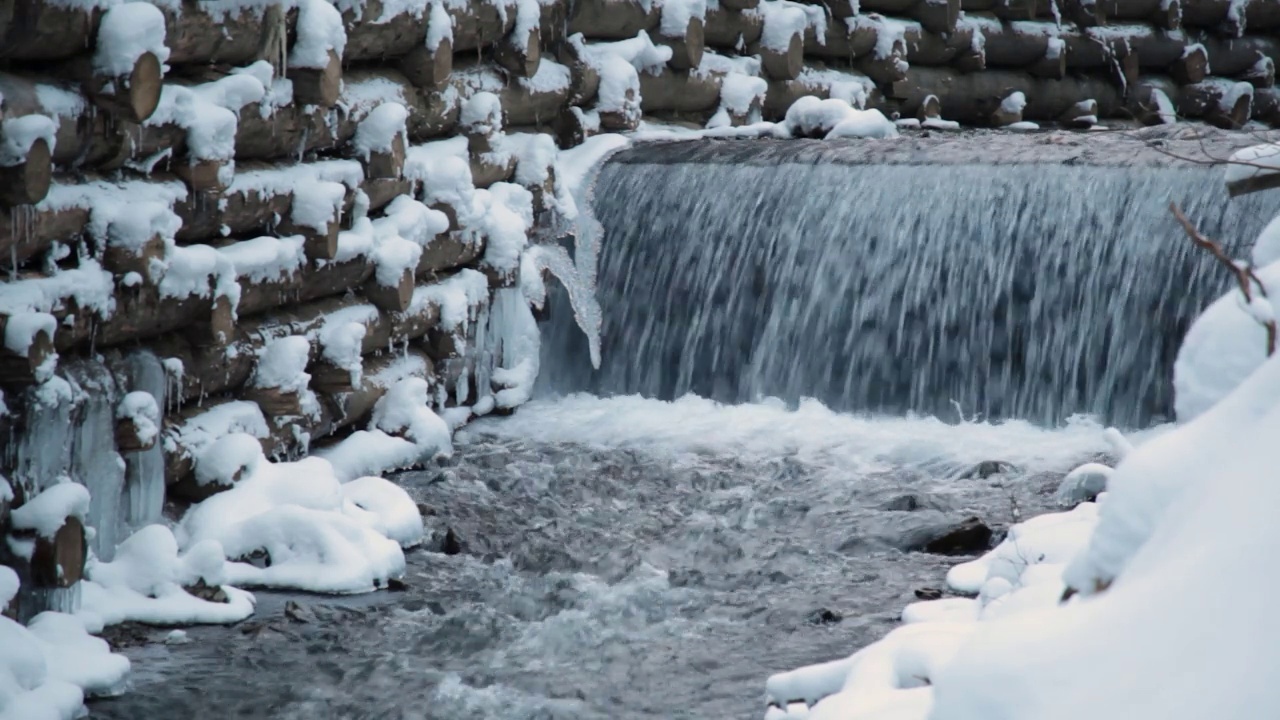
{"type": "Point", "coordinates": [687, 49]}
{"type": "Point", "coordinates": [613, 19]}
{"type": "Point", "coordinates": [728, 29]}
{"type": "Point", "coordinates": [85, 139]}
{"type": "Point", "coordinates": [1165, 14]}
{"type": "Point", "coordinates": [1244, 57]}
{"type": "Point", "coordinates": [975, 98]}
{"type": "Point", "coordinates": [680, 92]}
{"type": "Point", "coordinates": [44, 30]}
{"type": "Point", "coordinates": [197, 36]}
{"type": "Point", "coordinates": [479, 25]}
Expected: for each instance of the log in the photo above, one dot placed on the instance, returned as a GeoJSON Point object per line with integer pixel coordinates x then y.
{"type": "Point", "coordinates": [395, 298]}
{"type": "Point", "coordinates": [1164, 14]}
{"type": "Point", "coordinates": [479, 25]}
{"type": "Point", "coordinates": [1223, 103]}
{"type": "Point", "coordinates": [525, 101]}
{"type": "Point", "coordinates": [132, 96]}
{"type": "Point", "coordinates": [26, 231]}
{"type": "Point", "coordinates": [845, 42]}
{"type": "Point", "coordinates": [957, 48]}
{"type": "Point", "coordinates": [1266, 106]}
{"type": "Point", "coordinates": [584, 78]}
{"type": "Point", "coordinates": [783, 93]}
{"type": "Point", "coordinates": [355, 404]}
{"type": "Point", "coordinates": [613, 19]}
{"type": "Point", "coordinates": [573, 127]}
{"type": "Point", "coordinates": [84, 138]}
{"type": "Point", "coordinates": [43, 30]}
{"type": "Point", "coordinates": [432, 113]}
{"type": "Point", "coordinates": [128, 438]}
{"type": "Point", "coordinates": [687, 48]}
{"type": "Point", "coordinates": [317, 281]}
{"type": "Point", "coordinates": [429, 68]}
{"type": "Point", "coordinates": [142, 313]}
{"type": "Point", "coordinates": [27, 181]}
{"type": "Point", "coordinates": [1224, 17]}
{"type": "Point", "coordinates": [520, 53]}
{"type": "Point", "coordinates": [318, 86]}
{"type": "Point", "coordinates": [975, 98]}
{"type": "Point", "coordinates": [373, 33]}
{"type": "Point", "coordinates": [1250, 58]}
{"type": "Point", "coordinates": [779, 64]}
{"type": "Point", "coordinates": [728, 29]}
{"type": "Point", "coordinates": [1033, 46]}
{"type": "Point", "coordinates": [680, 92]}
{"type": "Point", "coordinates": [56, 562]}
{"type": "Point", "coordinates": [120, 261]}
{"type": "Point", "coordinates": [1083, 114]}
{"type": "Point", "coordinates": [937, 16]}
{"type": "Point", "coordinates": [291, 130]}
{"type": "Point", "coordinates": [382, 191]}
{"type": "Point", "coordinates": [197, 34]}
{"type": "Point", "coordinates": [1003, 9]}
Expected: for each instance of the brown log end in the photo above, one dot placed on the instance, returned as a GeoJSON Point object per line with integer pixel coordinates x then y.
{"type": "Point", "coordinates": [429, 69]}
{"type": "Point", "coordinates": [1256, 183]}
{"type": "Point", "coordinates": [1004, 114]}
{"type": "Point", "coordinates": [686, 51]}
{"type": "Point", "coordinates": [570, 128]}
{"type": "Point", "coordinates": [222, 321]}
{"type": "Point", "coordinates": [1262, 75]}
{"type": "Point", "coordinates": [971, 61]}
{"type": "Point", "coordinates": [1233, 116]}
{"type": "Point", "coordinates": [486, 172]}
{"type": "Point", "coordinates": [1168, 17]}
{"type": "Point", "coordinates": [450, 213]}
{"type": "Point", "coordinates": [391, 298]}
{"type": "Point", "coordinates": [59, 562]}
{"type": "Point", "coordinates": [27, 182]}
{"type": "Point", "coordinates": [120, 261]}
{"type": "Point", "coordinates": [785, 64]}
{"type": "Point", "coordinates": [937, 16]}
{"type": "Point", "coordinates": [389, 164]}
{"type": "Point", "coordinates": [127, 439]}
{"type": "Point", "coordinates": [1192, 67]}
{"type": "Point", "coordinates": [740, 5]}
{"type": "Point", "coordinates": [144, 85]}
{"type": "Point", "coordinates": [1054, 67]}
{"type": "Point", "coordinates": [330, 379]}
{"type": "Point", "coordinates": [202, 175]}
{"type": "Point", "coordinates": [521, 56]}
{"type": "Point", "coordinates": [318, 86]}
{"type": "Point", "coordinates": [584, 79]}
{"type": "Point", "coordinates": [274, 401]}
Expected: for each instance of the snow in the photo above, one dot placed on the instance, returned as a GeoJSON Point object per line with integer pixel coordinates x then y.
{"type": "Point", "coordinates": [197, 434]}
{"type": "Point", "coordinates": [211, 127]}
{"type": "Point", "coordinates": [282, 364]}
{"type": "Point", "coordinates": [21, 329]}
{"type": "Point", "coordinates": [379, 129]}
{"type": "Point", "coordinates": [1013, 103]}
{"type": "Point", "coordinates": [48, 511]}
{"type": "Point", "coordinates": [125, 32]}
{"type": "Point", "coordinates": [320, 31]}
{"type": "Point", "coordinates": [227, 459]}
{"type": "Point", "coordinates": [1266, 249]}
{"type": "Point", "coordinates": [481, 114]}
{"type": "Point", "coordinates": [195, 270]}
{"type": "Point", "coordinates": [640, 51]}
{"type": "Point", "coordinates": [1221, 348]}
{"type": "Point", "coordinates": [141, 409]}
{"type": "Point", "coordinates": [619, 90]}
{"type": "Point", "coordinates": [439, 26]}
{"type": "Point", "coordinates": [145, 581]}
{"type": "Point", "coordinates": [677, 14]}
{"type": "Point", "coordinates": [403, 433]}
{"type": "Point", "coordinates": [1253, 161]}
{"type": "Point", "coordinates": [17, 135]}
{"type": "Point", "coordinates": [317, 203]}
{"type": "Point", "coordinates": [130, 226]}
{"type": "Point", "coordinates": [836, 118]}
{"type": "Point", "coordinates": [318, 536]}
{"type": "Point", "coordinates": [782, 22]}
{"type": "Point", "coordinates": [507, 223]}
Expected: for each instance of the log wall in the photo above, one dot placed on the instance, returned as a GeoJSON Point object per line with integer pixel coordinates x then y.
{"type": "Point", "coordinates": [242, 178]}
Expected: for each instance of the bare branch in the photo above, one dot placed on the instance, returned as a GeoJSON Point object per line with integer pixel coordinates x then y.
{"type": "Point", "coordinates": [1243, 274]}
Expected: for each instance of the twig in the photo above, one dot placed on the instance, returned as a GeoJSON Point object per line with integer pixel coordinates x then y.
{"type": "Point", "coordinates": [1244, 274]}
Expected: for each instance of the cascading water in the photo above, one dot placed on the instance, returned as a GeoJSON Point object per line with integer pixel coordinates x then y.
{"type": "Point", "coordinates": [1029, 291]}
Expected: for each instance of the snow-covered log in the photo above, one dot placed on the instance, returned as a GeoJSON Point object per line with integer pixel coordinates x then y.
{"type": "Point", "coordinates": [144, 311]}
{"type": "Point", "coordinates": [874, 46]}
{"type": "Point", "coordinates": [1165, 14]}
{"type": "Point", "coordinates": [962, 49]}
{"type": "Point", "coordinates": [520, 52]}
{"type": "Point", "coordinates": [123, 72]}
{"type": "Point", "coordinates": [535, 101]}
{"type": "Point", "coordinates": [205, 33]}
{"type": "Point", "coordinates": [353, 402]}
{"type": "Point", "coordinates": [937, 16]}
{"type": "Point", "coordinates": [729, 29]}
{"type": "Point", "coordinates": [687, 46]}
{"type": "Point", "coordinates": [26, 347]}
{"type": "Point", "coordinates": [978, 97]}
{"type": "Point", "coordinates": [318, 85]}
{"type": "Point", "coordinates": [1231, 18]}
{"type": "Point", "coordinates": [1157, 51]}
{"type": "Point", "coordinates": [1251, 58]}
{"type": "Point", "coordinates": [83, 137]}
{"type": "Point", "coordinates": [858, 90]}
{"type": "Point", "coordinates": [1218, 101]}
{"type": "Point", "coordinates": [378, 30]}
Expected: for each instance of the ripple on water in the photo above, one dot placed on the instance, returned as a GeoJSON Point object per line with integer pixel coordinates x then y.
{"type": "Point", "coordinates": [623, 558]}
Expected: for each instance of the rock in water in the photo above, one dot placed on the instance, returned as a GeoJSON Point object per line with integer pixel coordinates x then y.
{"type": "Point", "coordinates": [824, 616]}
{"type": "Point", "coordinates": [967, 537]}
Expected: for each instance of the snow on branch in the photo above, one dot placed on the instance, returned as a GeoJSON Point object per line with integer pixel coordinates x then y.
{"type": "Point", "coordinates": [1260, 307]}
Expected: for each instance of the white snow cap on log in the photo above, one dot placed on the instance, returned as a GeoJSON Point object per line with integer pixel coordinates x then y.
{"type": "Point", "coordinates": [676, 15]}
{"type": "Point", "coordinates": [439, 26]}
{"type": "Point", "coordinates": [319, 31]}
{"type": "Point", "coordinates": [47, 512]}
{"type": "Point", "coordinates": [782, 21]}
{"type": "Point", "coordinates": [378, 130]}
{"type": "Point", "coordinates": [22, 328]}
{"type": "Point", "coordinates": [17, 135]}
{"type": "Point", "coordinates": [141, 408]}
{"type": "Point", "coordinates": [282, 364]}
{"type": "Point", "coordinates": [89, 285]}
{"type": "Point", "coordinates": [317, 202]}
{"type": "Point", "coordinates": [126, 32]}
{"type": "Point", "coordinates": [129, 226]}
{"type": "Point", "coordinates": [640, 51]}
{"type": "Point", "coordinates": [482, 113]}
{"type": "Point", "coordinates": [266, 258]}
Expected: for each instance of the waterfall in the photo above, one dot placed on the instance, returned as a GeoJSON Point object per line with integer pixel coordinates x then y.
{"type": "Point", "coordinates": [1017, 290]}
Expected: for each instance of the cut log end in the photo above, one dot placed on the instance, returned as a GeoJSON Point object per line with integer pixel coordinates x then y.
{"type": "Point", "coordinates": [938, 16]}
{"type": "Point", "coordinates": [27, 182]}
{"type": "Point", "coordinates": [122, 261]}
{"type": "Point", "coordinates": [394, 298]}
{"type": "Point", "coordinates": [386, 165]}
{"type": "Point", "coordinates": [1233, 116]}
{"type": "Point", "coordinates": [202, 175]}
{"type": "Point", "coordinates": [686, 51]}
{"type": "Point", "coordinates": [930, 107]}
{"type": "Point", "coordinates": [1005, 114]}
{"type": "Point", "coordinates": [318, 86]}
{"type": "Point", "coordinates": [1192, 67]}
{"type": "Point", "coordinates": [274, 401]}
{"type": "Point", "coordinates": [1169, 16]}
{"type": "Point", "coordinates": [520, 56]}
{"type": "Point", "coordinates": [222, 321]}
{"type": "Point", "coordinates": [59, 562]}
{"type": "Point", "coordinates": [128, 439]}
{"type": "Point", "coordinates": [143, 87]}
{"type": "Point", "coordinates": [429, 69]}
{"type": "Point", "coordinates": [1083, 114]}
{"type": "Point", "coordinates": [1050, 66]}
{"type": "Point", "coordinates": [36, 365]}
{"type": "Point", "coordinates": [784, 64]}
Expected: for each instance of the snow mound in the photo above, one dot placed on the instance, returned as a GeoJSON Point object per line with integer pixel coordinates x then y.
{"type": "Point", "coordinates": [403, 433]}
{"type": "Point", "coordinates": [146, 580]}
{"type": "Point", "coordinates": [832, 118]}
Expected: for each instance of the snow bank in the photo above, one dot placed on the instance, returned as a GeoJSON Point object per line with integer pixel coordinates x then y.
{"type": "Point", "coordinates": [403, 433]}
{"type": "Point", "coordinates": [834, 118]}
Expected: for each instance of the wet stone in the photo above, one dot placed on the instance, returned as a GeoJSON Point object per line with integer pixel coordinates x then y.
{"type": "Point", "coordinates": [824, 616]}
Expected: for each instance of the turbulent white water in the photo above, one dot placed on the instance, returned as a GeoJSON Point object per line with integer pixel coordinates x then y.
{"type": "Point", "coordinates": [1025, 291]}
